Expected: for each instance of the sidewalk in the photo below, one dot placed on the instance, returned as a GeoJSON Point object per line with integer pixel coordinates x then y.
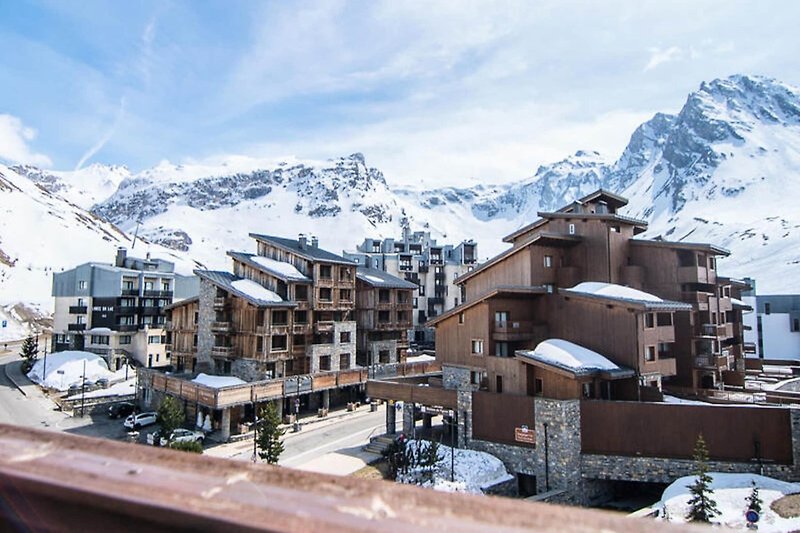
{"type": "Point", "coordinates": [13, 370]}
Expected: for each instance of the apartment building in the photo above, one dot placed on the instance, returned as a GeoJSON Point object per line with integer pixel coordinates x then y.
{"type": "Point", "coordinates": [773, 329]}
{"type": "Point", "coordinates": [420, 259]}
{"type": "Point", "coordinates": [383, 316]}
{"type": "Point", "coordinates": [286, 310]}
{"type": "Point", "coordinates": [117, 310]}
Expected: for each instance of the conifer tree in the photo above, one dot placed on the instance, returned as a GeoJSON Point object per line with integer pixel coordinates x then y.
{"type": "Point", "coordinates": [754, 501]}
{"type": "Point", "coordinates": [269, 436]}
{"type": "Point", "coordinates": [29, 353]}
{"type": "Point", "coordinates": [703, 508]}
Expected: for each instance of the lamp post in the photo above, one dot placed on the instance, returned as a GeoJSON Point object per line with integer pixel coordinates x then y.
{"type": "Point", "coordinates": [255, 429]}
{"type": "Point", "coordinates": [44, 370]}
{"type": "Point", "coordinates": [452, 446]}
{"type": "Point", "coordinates": [83, 387]}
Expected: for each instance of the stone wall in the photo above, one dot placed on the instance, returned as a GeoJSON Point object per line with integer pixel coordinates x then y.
{"type": "Point", "coordinates": [336, 349]}
{"type": "Point", "coordinates": [206, 315]}
{"type": "Point", "coordinates": [559, 446]}
{"type": "Point", "coordinates": [455, 377]}
{"type": "Point", "coordinates": [248, 369]}
{"type": "Point", "coordinates": [375, 347]}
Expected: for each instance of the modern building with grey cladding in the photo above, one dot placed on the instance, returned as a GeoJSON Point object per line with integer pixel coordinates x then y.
{"type": "Point", "coordinates": [775, 325]}
{"type": "Point", "coordinates": [116, 310]}
{"type": "Point", "coordinates": [418, 258]}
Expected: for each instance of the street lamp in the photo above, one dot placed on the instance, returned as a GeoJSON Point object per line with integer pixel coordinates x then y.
{"type": "Point", "coordinates": [255, 429]}
{"type": "Point", "coordinates": [83, 387]}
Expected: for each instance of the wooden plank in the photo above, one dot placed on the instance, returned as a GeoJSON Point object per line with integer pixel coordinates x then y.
{"type": "Point", "coordinates": [159, 382]}
{"type": "Point", "coordinates": [323, 381]}
{"type": "Point", "coordinates": [273, 389]}
{"type": "Point", "coordinates": [173, 386]}
{"type": "Point", "coordinates": [206, 396]}
{"type": "Point", "coordinates": [234, 396]}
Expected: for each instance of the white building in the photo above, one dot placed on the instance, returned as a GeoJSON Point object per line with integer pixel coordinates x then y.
{"type": "Point", "coordinates": [775, 324]}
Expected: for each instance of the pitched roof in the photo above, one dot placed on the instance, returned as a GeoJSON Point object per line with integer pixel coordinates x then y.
{"type": "Point", "coordinates": [230, 283]}
{"type": "Point", "coordinates": [381, 279]}
{"type": "Point", "coordinates": [181, 303]}
{"type": "Point", "coordinates": [680, 245]}
{"type": "Point", "coordinates": [309, 252]}
{"type": "Point", "coordinates": [610, 292]}
{"type": "Point", "coordinates": [544, 238]}
{"type": "Point", "coordinates": [573, 359]}
{"type": "Point", "coordinates": [279, 269]}
{"type": "Point", "coordinates": [509, 290]}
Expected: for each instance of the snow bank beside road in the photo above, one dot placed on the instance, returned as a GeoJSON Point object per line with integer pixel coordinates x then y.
{"type": "Point", "coordinates": [66, 368]}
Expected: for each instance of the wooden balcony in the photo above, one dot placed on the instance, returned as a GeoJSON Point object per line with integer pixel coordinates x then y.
{"type": "Point", "coordinates": [220, 302]}
{"type": "Point", "coordinates": [517, 330]}
{"type": "Point", "coordinates": [323, 327]}
{"type": "Point", "coordinates": [221, 326]}
{"type": "Point", "coordinates": [713, 362]}
{"type": "Point", "coordinates": [222, 350]}
{"type": "Point", "coordinates": [665, 367]}
{"type": "Point", "coordinates": [698, 299]}
{"type": "Point", "coordinates": [695, 274]}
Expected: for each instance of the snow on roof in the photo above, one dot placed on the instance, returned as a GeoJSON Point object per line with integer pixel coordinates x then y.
{"type": "Point", "coordinates": [573, 358]}
{"type": "Point", "coordinates": [284, 269]}
{"type": "Point", "coordinates": [99, 331]}
{"type": "Point", "coordinates": [614, 291]}
{"type": "Point", "coordinates": [730, 492]}
{"type": "Point", "coordinates": [66, 368]}
{"type": "Point", "coordinates": [254, 290]}
{"type": "Point", "coordinates": [423, 358]}
{"type": "Point", "coordinates": [123, 388]}
{"type": "Point", "coordinates": [217, 382]}
{"type": "Point", "coordinates": [374, 279]}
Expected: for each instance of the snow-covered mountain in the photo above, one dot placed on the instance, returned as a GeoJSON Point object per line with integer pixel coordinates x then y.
{"type": "Point", "coordinates": [722, 170]}
{"type": "Point", "coordinates": [41, 233]}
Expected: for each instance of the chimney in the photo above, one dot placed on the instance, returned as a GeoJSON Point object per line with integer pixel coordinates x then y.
{"type": "Point", "coordinates": [301, 241]}
{"type": "Point", "coordinates": [122, 253]}
{"type": "Point", "coordinates": [314, 241]}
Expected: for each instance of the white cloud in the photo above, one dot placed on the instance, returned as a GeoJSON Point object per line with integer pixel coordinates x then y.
{"type": "Point", "coordinates": [14, 140]}
{"type": "Point", "coordinates": [659, 56]}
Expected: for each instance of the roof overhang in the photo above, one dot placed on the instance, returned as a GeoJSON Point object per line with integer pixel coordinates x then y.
{"type": "Point", "coordinates": [581, 375]}
{"type": "Point", "coordinates": [638, 305]}
{"type": "Point", "coordinates": [695, 246]}
{"type": "Point", "coordinates": [505, 291]}
{"type": "Point", "coordinates": [181, 303]}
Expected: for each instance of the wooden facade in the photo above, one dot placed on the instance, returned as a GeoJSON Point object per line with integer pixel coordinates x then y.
{"type": "Point", "coordinates": [383, 319]}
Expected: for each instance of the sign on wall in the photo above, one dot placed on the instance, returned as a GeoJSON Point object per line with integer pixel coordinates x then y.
{"type": "Point", "coordinates": [525, 435]}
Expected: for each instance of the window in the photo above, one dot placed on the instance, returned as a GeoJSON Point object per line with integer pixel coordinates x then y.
{"type": "Point", "coordinates": [278, 343]}
{"type": "Point", "coordinates": [259, 344]}
{"type": "Point", "coordinates": [416, 302]}
{"type": "Point", "coordinates": [477, 346]}
{"type": "Point", "coordinates": [325, 294]}
{"type": "Point", "coordinates": [298, 340]}
{"type": "Point", "coordinates": [196, 317]}
{"type": "Point", "coordinates": [325, 362]}
{"type": "Point", "coordinates": [280, 318]}
{"type": "Point", "coordinates": [712, 263]}
{"type": "Point", "coordinates": [549, 288]}
{"type": "Point", "coordinates": [344, 274]}
{"type": "Point", "coordinates": [259, 317]}
{"type": "Point", "coordinates": [649, 320]}
{"type": "Point", "coordinates": [586, 389]}
{"type": "Point", "coordinates": [301, 317]}
{"type": "Point", "coordinates": [165, 286]}
{"type": "Point", "coordinates": [384, 296]}
{"type": "Point", "coordinates": [403, 297]}
{"type": "Point", "coordinates": [548, 261]}
{"type": "Point", "coordinates": [384, 357]}
{"type": "Point", "coordinates": [158, 356]}
{"type": "Point", "coordinates": [422, 290]}
{"type": "Point", "coordinates": [82, 284]}
{"type": "Point", "coordinates": [614, 229]}
{"type": "Point", "coordinates": [194, 341]}
{"type": "Point", "coordinates": [344, 337]}
{"type": "Point", "coordinates": [125, 339]}
{"type": "Point", "coordinates": [128, 285]}
{"type": "Point", "coordinates": [766, 309]}
{"type": "Point", "coordinates": [403, 316]}
{"type": "Point", "coordinates": [650, 354]}
{"type": "Point", "coordinates": [795, 324]}
{"type": "Point", "coordinates": [148, 285]}
{"type": "Point", "coordinates": [572, 229]}
{"type": "Point", "coordinates": [498, 384]}
{"type": "Point", "coordinates": [301, 293]}
{"type": "Point", "coordinates": [325, 271]}
{"type": "Point", "coordinates": [99, 339]}
{"type": "Point", "coordinates": [153, 339]}
{"type": "Point", "coordinates": [663, 350]}
{"type": "Point", "coordinates": [461, 317]}
{"type": "Point", "coordinates": [538, 386]}
{"type": "Point", "coordinates": [384, 316]}
{"type": "Point", "coordinates": [80, 319]}
{"type": "Point", "coordinates": [81, 303]}
{"type": "Point", "coordinates": [664, 319]}
{"type": "Point", "coordinates": [344, 361]}
{"type": "Point", "coordinates": [501, 349]}
{"type": "Point", "coordinates": [344, 294]}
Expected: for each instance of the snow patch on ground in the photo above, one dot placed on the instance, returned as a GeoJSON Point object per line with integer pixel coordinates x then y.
{"type": "Point", "coordinates": [123, 388]}
{"type": "Point", "coordinates": [730, 492]}
{"type": "Point", "coordinates": [473, 470]}
{"type": "Point", "coordinates": [66, 368]}
{"type": "Point", "coordinates": [217, 382]}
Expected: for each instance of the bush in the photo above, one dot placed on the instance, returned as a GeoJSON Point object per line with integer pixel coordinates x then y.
{"type": "Point", "coordinates": [188, 446]}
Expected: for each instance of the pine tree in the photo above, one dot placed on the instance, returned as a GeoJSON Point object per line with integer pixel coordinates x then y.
{"type": "Point", "coordinates": [170, 416]}
{"type": "Point", "coordinates": [29, 353]}
{"type": "Point", "coordinates": [703, 508]}
{"type": "Point", "coordinates": [269, 436]}
{"type": "Point", "coordinates": [754, 501]}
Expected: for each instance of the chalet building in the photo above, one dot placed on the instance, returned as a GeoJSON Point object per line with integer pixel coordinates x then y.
{"type": "Point", "coordinates": [419, 259]}
{"type": "Point", "coordinates": [117, 310]}
{"type": "Point", "coordinates": [558, 358]}
{"type": "Point", "coordinates": [286, 310]}
{"type": "Point", "coordinates": [383, 316]}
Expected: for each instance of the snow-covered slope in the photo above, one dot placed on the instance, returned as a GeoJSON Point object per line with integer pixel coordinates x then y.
{"type": "Point", "coordinates": [42, 233]}
{"type": "Point", "coordinates": [722, 170]}
{"type": "Point", "coordinates": [84, 187]}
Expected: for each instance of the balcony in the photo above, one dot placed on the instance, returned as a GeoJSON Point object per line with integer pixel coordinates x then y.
{"type": "Point", "coordinates": [77, 309]}
{"type": "Point", "coordinates": [129, 292]}
{"type": "Point", "coordinates": [749, 347]}
{"type": "Point", "coordinates": [127, 327]}
{"type": "Point", "coordinates": [151, 311]}
{"type": "Point", "coordinates": [76, 327]}
{"type": "Point", "coordinates": [221, 326]}
{"type": "Point", "coordinates": [157, 294]}
{"type": "Point", "coordinates": [713, 362]}
{"type": "Point", "coordinates": [695, 274]}
{"type": "Point", "coordinates": [127, 310]}
{"type": "Point", "coordinates": [517, 330]}
{"type": "Point", "coordinates": [220, 302]}
{"type": "Point", "coordinates": [436, 301]}
{"type": "Point", "coordinates": [323, 327]}
{"type": "Point", "coordinates": [665, 367]}
{"type": "Point", "coordinates": [222, 350]}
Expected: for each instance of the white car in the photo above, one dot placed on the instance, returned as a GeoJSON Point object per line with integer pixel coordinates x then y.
{"type": "Point", "coordinates": [179, 435]}
{"type": "Point", "coordinates": [140, 420]}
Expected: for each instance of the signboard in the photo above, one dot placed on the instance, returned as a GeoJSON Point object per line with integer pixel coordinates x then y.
{"type": "Point", "coordinates": [5, 323]}
{"type": "Point", "coordinates": [752, 516]}
{"type": "Point", "coordinates": [523, 434]}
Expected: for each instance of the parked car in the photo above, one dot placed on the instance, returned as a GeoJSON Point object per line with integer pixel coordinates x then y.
{"type": "Point", "coordinates": [178, 435]}
{"type": "Point", "coordinates": [121, 409]}
{"type": "Point", "coordinates": [141, 420]}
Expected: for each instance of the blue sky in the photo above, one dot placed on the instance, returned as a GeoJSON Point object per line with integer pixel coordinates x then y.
{"type": "Point", "coordinates": [432, 93]}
